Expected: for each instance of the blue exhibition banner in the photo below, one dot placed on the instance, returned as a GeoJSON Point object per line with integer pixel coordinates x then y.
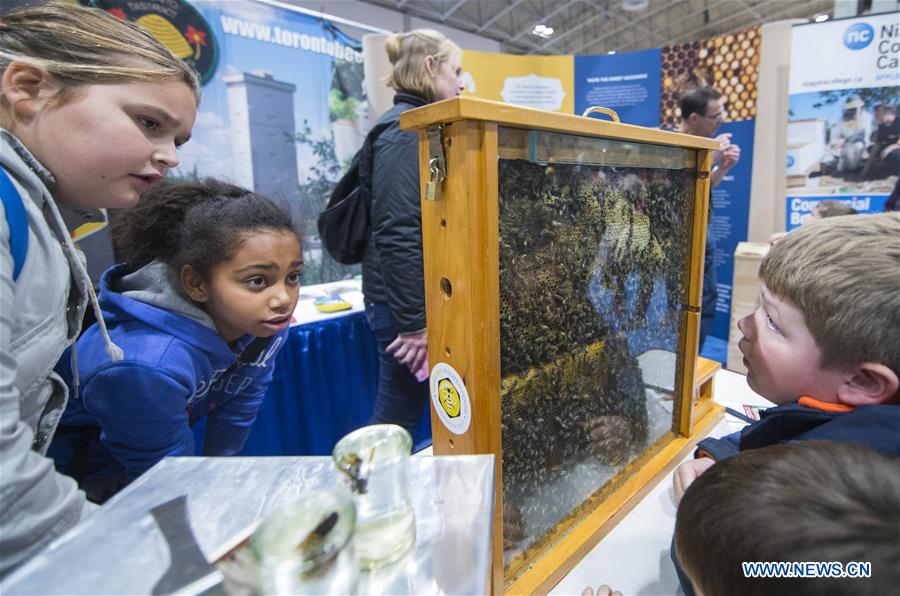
{"type": "Point", "coordinates": [283, 110]}
{"type": "Point", "coordinates": [628, 83]}
{"type": "Point", "coordinates": [269, 97]}
{"type": "Point", "coordinates": [729, 219]}
{"type": "Point", "coordinates": [800, 208]}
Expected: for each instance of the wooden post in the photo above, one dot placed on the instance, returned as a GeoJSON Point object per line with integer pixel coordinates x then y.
{"type": "Point", "coordinates": [462, 293]}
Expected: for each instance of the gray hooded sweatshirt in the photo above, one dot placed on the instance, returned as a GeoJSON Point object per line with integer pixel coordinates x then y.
{"type": "Point", "coordinates": [40, 316]}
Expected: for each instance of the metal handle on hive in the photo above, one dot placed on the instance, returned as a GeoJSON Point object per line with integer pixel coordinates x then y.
{"type": "Point", "coordinates": [608, 111]}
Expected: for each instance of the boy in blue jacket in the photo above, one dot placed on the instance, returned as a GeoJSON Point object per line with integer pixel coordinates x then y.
{"type": "Point", "coordinates": [200, 308]}
{"type": "Point", "coordinates": [823, 343]}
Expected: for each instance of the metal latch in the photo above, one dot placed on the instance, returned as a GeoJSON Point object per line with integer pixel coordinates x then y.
{"type": "Point", "coordinates": [437, 165]}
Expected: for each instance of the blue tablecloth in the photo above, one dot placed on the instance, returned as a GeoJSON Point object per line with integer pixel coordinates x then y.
{"type": "Point", "coordinates": [324, 386]}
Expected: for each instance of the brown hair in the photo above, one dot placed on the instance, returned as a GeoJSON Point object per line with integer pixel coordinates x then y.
{"type": "Point", "coordinates": [843, 273]}
{"type": "Point", "coordinates": [812, 501]}
{"type": "Point", "coordinates": [834, 208]}
{"type": "Point", "coordinates": [696, 101]}
{"type": "Point", "coordinates": [407, 53]}
{"type": "Point", "coordinates": [86, 46]}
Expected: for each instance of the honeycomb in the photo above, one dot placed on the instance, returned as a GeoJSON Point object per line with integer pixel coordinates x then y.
{"type": "Point", "coordinates": [728, 63]}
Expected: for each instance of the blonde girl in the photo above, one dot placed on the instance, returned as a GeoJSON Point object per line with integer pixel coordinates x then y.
{"type": "Point", "coordinates": [92, 110]}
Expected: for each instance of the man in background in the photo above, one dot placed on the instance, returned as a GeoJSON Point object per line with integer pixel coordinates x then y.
{"type": "Point", "coordinates": [701, 114]}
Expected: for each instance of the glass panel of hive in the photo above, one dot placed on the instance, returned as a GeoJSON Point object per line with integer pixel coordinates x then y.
{"type": "Point", "coordinates": [593, 258]}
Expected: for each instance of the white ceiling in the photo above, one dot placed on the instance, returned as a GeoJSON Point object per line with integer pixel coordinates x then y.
{"type": "Point", "coordinates": [600, 26]}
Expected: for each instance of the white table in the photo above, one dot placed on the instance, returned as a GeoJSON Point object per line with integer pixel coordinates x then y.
{"type": "Point", "coordinates": [120, 550]}
{"type": "Point", "coordinates": [634, 557]}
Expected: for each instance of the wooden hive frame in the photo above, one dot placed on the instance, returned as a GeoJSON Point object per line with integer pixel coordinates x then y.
{"type": "Point", "coordinates": [460, 231]}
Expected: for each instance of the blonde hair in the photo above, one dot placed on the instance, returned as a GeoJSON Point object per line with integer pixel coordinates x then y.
{"type": "Point", "coordinates": [407, 53]}
{"type": "Point", "coordinates": [843, 273]}
{"type": "Point", "coordinates": [81, 46]}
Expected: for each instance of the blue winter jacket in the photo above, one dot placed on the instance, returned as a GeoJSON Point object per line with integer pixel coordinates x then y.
{"type": "Point", "coordinates": [176, 370]}
{"type": "Point", "coordinates": [875, 426]}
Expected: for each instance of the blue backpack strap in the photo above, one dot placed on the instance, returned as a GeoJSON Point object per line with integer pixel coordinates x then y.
{"type": "Point", "coordinates": [17, 220]}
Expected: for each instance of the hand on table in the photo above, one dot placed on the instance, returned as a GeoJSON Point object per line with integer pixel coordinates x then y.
{"type": "Point", "coordinates": [410, 350]}
{"type": "Point", "coordinates": [687, 472]}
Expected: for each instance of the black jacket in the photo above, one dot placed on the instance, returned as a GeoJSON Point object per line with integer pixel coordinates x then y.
{"type": "Point", "coordinates": [392, 265]}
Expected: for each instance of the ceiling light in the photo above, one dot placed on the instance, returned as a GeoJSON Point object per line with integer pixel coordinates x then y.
{"type": "Point", "coordinates": [634, 5]}
{"type": "Point", "coordinates": [542, 31]}
{"type": "Point", "coordinates": [821, 18]}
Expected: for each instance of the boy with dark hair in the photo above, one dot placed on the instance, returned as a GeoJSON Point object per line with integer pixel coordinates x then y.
{"type": "Point", "coordinates": [832, 209]}
{"type": "Point", "coordinates": [828, 208]}
{"type": "Point", "coordinates": [818, 502]}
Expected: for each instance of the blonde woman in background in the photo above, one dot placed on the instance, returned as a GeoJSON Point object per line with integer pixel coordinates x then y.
{"type": "Point", "coordinates": [426, 68]}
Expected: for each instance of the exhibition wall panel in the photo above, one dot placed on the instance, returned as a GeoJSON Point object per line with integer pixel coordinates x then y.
{"type": "Point", "coordinates": [841, 145]}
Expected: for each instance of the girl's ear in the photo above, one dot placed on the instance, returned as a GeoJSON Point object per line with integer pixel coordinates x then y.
{"type": "Point", "coordinates": [871, 383]}
{"type": "Point", "coordinates": [194, 285]}
{"type": "Point", "coordinates": [27, 88]}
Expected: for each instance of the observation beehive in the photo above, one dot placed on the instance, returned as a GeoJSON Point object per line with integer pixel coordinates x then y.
{"type": "Point", "coordinates": [563, 269]}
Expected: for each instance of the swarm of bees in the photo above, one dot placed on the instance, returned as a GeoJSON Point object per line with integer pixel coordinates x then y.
{"type": "Point", "coordinates": [571, 387]}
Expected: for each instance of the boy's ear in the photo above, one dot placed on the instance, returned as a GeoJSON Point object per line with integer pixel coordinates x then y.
{"type": "Point", "coordinates": [194, 285]}
{"type": "Point", "coordinates": [870, 383]}
{"type": "Point", "coordinates": [27, 88]}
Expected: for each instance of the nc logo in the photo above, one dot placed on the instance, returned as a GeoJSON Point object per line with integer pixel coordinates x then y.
{"type": "Point", "coordinates": [858, 36]}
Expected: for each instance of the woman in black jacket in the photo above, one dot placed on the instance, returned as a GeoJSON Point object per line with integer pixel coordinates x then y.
{"type": "Point", "coordinates": [426, 68]}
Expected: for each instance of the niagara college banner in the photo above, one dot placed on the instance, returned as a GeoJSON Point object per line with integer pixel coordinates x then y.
{"type": "Point", "coordinates": [842, 133]}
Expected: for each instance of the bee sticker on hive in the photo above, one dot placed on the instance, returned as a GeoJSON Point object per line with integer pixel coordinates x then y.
{"type": "Point", "coordinates": [450, 398]}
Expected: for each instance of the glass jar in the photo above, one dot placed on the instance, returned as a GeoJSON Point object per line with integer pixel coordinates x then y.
{"type": "Point", "coordinates": [306, 546]}
{"type": "Point", "coordinates": [374, 463]}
